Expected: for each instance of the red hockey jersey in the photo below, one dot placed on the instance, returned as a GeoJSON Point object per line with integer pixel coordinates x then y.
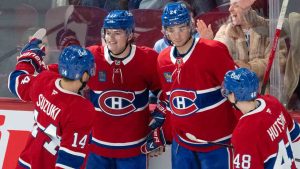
{"type": "Point", "coordinates": [192, 86]}
{"type": "Point", "coordinates": [63, 120]}
{"type": "Point", "coordinates": [120, 92]}
{"type": "Point", "coordinates": [262, 138]}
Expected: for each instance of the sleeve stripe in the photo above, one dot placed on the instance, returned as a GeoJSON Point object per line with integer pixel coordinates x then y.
{"type": "Point", "coordinates": [13, 81]}
{"type": "Point", "coordinates": [69, 159]}
{"type": "Point", "coordinates": [295, 132]}
{"type": "Point", "coordinates": [72, 152]}
{"type": "Point", "coordinates": [16, 87]}
{"type": "Point", "coordinates": [24, 163]}
{"type": "Point", "coordinates": [63, 166]}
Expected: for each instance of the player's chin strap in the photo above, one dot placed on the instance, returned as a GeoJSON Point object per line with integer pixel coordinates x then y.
{"type": "Point", "coordinates": [234, 105]}
{"type": "Point", "coordinates": [83, 84]}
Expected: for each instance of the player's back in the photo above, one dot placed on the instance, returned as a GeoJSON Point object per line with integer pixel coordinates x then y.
{"type": "Point", "coordinates": [57, 113]}
{"type": "Point", "coordinates": [261, 138]}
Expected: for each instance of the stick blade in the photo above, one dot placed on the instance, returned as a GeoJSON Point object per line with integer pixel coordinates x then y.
{"type": "Point", "coordinates": [68, 13]}
{"type": "Point", "coordinates": [40, 34]}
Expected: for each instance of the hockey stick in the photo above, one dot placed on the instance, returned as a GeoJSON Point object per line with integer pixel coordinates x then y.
{"type": "Point", "coordinates": [67, 20]}
{"type": "Point", "coordinates": [68, 13]}
{"type": "Point", "coordinates": [194, 138]}
{"type": "Point", "coordinates": [39, 34]}
{"type": "Point", "coordinates": [274, 45]}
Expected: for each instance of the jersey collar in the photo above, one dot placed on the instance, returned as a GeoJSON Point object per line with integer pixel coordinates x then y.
{"type": "Point", "coordinates": [125, 61]}
{"type": "Point", "coordinates": [187, 56]}
{"type": "Point", "coordinates": [63, 90]}
{"type": "Point", "coordinates": [260, 108]}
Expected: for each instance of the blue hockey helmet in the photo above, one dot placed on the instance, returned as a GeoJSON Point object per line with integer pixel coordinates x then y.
{"type": "Point", "coordinates": [242, 82]}
{"type": "Point", "coordinates": [175, 14]}
{"type": "Point", "coordinates": [74, 61]}
{"type": "Point", "coordinates": [119, 19]}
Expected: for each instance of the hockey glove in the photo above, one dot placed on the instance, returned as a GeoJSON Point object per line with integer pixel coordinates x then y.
{"type": "Point", "coordinates": [154, 141]}
{"type": "Point", "coordinates": [33, 54]}
{"type": "Point", "coordinates": [66, 38]}
{"type": "Point", "coordinates": [158, 116]}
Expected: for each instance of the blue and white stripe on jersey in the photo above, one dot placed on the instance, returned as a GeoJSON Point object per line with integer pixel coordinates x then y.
{"type": "Point", "coordinates": [119, 102]}
{"type": "Point", "coordinates": [295, 132]}
{"type": "Point", "coordinates": [24, 164]}
{"type": "Point", "coordinates": [271, 160]}
{"type": "Point", "coordinates": [186, 102]}
{"type": "Point", "coordinates": [13, 81]}
{"type": "Point", "coordinates": [223, 140]}
{"type": "Point", "coordinates": [110, 145]}
{"type": "Point", "coordinates": [69, 159]}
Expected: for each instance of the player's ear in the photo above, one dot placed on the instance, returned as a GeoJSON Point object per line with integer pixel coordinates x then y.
{"type": "Point", "coordinates": [130, 37]}
{"type": "Point", "coordinates": [231, 97]}
{"type": "Point", "coordinates": [85, 77]}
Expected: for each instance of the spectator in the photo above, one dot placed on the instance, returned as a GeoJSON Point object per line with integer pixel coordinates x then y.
{"type": "Point", "coordinates": [246, 36]}
{"type": "Point", "coordinates": [292, 71]}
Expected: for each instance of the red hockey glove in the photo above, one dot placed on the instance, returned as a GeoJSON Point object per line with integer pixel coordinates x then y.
{"type": "Point", "coordinates": [33, 54]}
{"type": "Point", "coordinates": [158, 116]}
{"type": "Point", "coordinates": [154, 141]}
{"type": "Point", "coordinates": [66, 38]}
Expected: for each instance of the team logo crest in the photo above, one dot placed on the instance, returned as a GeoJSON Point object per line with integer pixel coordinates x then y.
{"type": "Point", "coordinates": [168, 77]}
{"type": "Point", "coordinates": [102, 76]}
{"type": "Point", "coordinates": [116, 102]}
{"type": "Point", "coordinates": [182, 102]}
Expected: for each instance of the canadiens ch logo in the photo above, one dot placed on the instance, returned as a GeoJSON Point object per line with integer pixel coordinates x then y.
{"type": "Point", "coordinates": [116, 102]}
{"type": "Point", "coordinates": [182, 102]}
{"type": "Point", "coordinates": [168, 77]}
{"type": "Point", "coordinates": [102, 76]}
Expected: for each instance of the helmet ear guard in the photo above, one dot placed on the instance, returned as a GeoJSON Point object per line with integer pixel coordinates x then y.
{"type": "Point", "coordinates": [74, 61]}
{"type": "Point", "coordinates": [242, 82]}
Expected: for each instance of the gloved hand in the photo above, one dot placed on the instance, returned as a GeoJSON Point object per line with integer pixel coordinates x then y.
{"type": "Point", "coordinates": [66, 38]}
{"type": "Point", "coordinates": [158, 116]}
{"type": "Point", "coordinates": [154, 141]}
{"type": "Point", "coordinates": [33, 54]}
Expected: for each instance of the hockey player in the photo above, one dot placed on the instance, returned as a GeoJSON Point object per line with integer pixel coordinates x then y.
{"type": "Point", "coordinates": [120, 93]}
{"type": "Point", "coordinates": [63, 118]}
{"type": "Point", "coordinates": [191, 72]}
{"type": "Point", "coordinates": [265, 132]}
